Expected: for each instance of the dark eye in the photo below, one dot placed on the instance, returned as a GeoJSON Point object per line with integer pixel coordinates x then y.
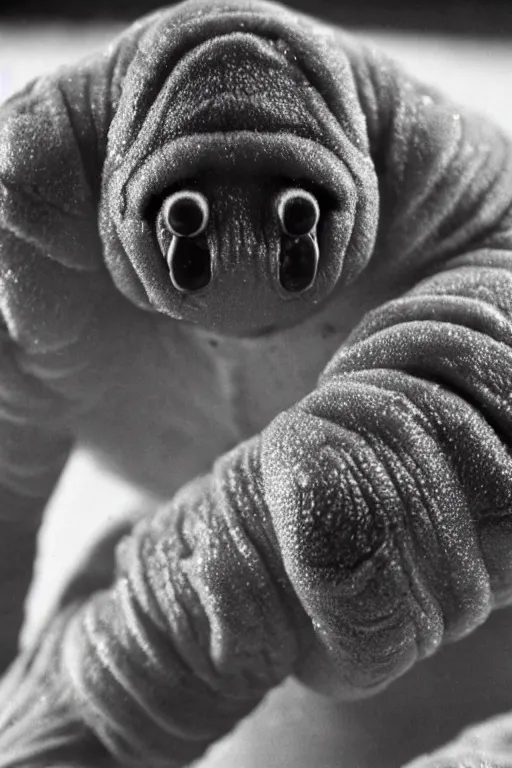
{"type": "Point", "coordinates": [189, 264]}
{"type": "Point", "coordinates": [298, 212]}
{"type": "Point", "coordinates": [298, 263]}
{"type": "Point", "coordinates": [186, 213]}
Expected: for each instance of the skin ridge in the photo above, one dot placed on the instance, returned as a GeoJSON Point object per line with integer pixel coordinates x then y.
{"type": "Point", "coordinates": [272, 509]}
{"type": "Point", "coordinates": [395, 106]}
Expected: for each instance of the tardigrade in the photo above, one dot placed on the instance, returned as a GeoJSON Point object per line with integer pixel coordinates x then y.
{"type": "Point", "coordinates": [243, 253]}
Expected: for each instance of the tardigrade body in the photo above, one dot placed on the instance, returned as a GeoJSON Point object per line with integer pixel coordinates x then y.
{"type": "Point", "coordinates": [240, 238]}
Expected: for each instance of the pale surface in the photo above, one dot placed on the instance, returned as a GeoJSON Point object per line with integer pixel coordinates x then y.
{"type": "Point", "coordinates": [294, 727]}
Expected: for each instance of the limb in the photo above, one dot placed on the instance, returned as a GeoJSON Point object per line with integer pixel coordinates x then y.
{"type": "Point", "coordinates": [366, 502]}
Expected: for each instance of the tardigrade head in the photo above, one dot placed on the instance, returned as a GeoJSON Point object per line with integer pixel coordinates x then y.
{"type": "Point", "coordinates": [238, 190]}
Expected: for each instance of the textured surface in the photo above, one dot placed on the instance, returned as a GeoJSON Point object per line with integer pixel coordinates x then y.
{"type": "Point", "coordinates": [471, 71]}
{"type": "Point", "coordinates": [365, 506]}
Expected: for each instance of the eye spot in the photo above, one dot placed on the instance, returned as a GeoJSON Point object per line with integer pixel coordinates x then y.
{"type": "Point", "coordinates": [186, 213]}
{"type": "Point", "coordinates": [298, 212]}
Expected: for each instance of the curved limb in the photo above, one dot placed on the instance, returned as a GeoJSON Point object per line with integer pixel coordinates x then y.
{"type": "Point", "coordinates": [396, 477]}
{"type": "Point", "coordinates": [188, 579]}
{"type": "Point", "coordinates": [363, 528]}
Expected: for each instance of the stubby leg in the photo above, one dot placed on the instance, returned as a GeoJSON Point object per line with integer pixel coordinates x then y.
{"type": "Point", "coordinates": [363, 528]}
{"type": "Point", "coordinates": [390, 485]}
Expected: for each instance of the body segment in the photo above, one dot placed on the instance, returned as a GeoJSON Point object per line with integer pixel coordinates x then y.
{"type": "Point", "coordinates": [345, 529]}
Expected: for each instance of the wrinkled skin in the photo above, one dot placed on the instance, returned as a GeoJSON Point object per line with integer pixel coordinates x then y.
{"type": "Point", "coordinates": [357, 515]}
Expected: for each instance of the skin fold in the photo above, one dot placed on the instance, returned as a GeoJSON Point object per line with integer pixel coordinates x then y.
{"type": "Point", "coordinates": [334, 463]}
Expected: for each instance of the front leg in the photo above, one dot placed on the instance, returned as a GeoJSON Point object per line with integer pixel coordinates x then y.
{"type": "Point", "coordinates": [365, 527]}
{"type": "Point", "coordinates": [390, 486]}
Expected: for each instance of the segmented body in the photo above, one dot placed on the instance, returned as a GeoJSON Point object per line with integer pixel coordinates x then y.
{"type": "Point", "coordinates": [343, 537]}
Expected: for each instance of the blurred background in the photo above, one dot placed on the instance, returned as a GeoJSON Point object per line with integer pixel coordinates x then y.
{"type": "Point", "coordinates": [463, 47]}
{"type": "Point", "coordinates": [492, 17]}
